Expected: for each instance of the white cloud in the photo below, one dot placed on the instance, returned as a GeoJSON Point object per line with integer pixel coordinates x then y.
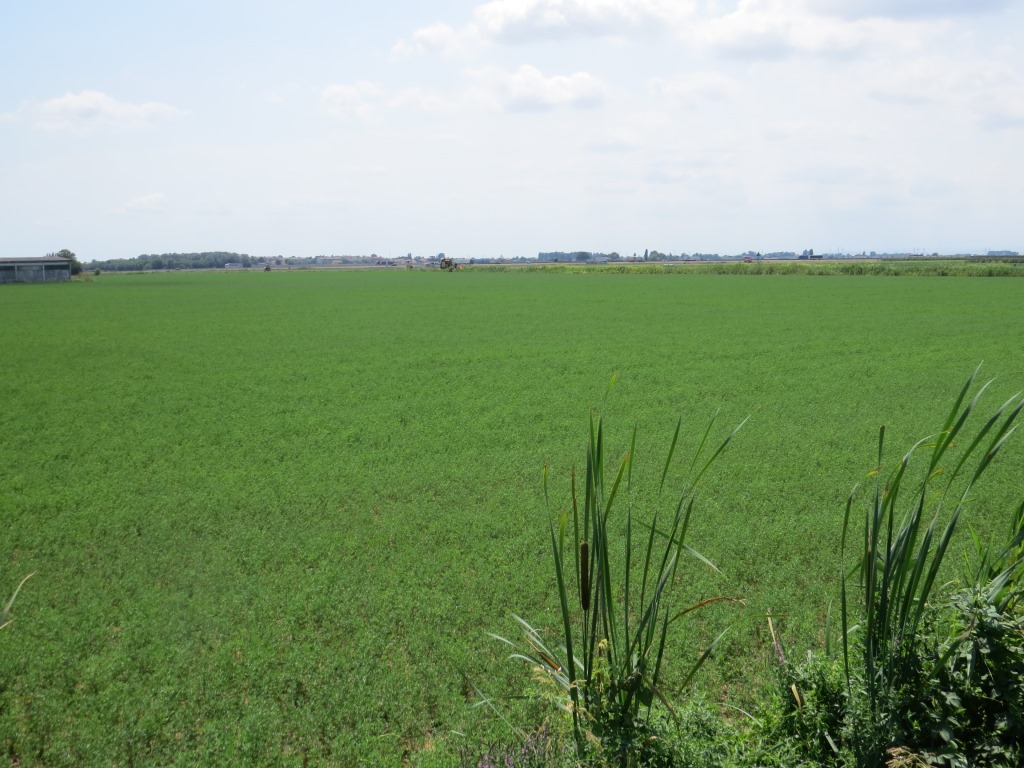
{"type": "Point", "coordinates": [438, 37]}
{"type": "Point", "coordinates": [525, 90]}
{"type": "Point", "coordinates": [801, 132]}
{"type": "Point", "coordinates": [773, 28]}
{"type": "Point", "coordinates": [92, 109]}
{"type": "Point", "coordinates": [916, 82]}
{"type": "Point", "coordinates": [365, 101]}
{"type": "Point", "coordinates": [988, 90]}
{"type": "Point", "coordinates": [753, 28]}
{"type": "Point", "coordinates": [1004, 117]}
{"type": "Point", "coordinates": [151, 203]}
{"type": "Point", "coordinates": [613, 146]}
{"type": "Point", "coordinates": [524, 20]}
{"type": "Point", "coordinates": [420, 99]}
{"type": "Point", "coordinates": [435, 38]}
{"type": "Point", "coordinates": [994, 93]}
{"type": "Point", "coordinates": [748, 28]}
{"type": "Point", "coordinates": [528, 89]}
{"type": "Point", "coordinates": [695, 88]}
{"type": "Point", "coordinates": [361, 100]}
{"type": "Point", "coordinates": [898, 9]}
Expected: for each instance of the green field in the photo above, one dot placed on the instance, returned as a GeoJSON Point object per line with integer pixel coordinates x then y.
{"type": "Point", "coordinates": [272, 516]}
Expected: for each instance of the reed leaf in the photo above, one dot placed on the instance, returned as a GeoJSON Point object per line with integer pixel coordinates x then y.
{"type": "Point", "coordinates": [614, 630]}
{"type": "Point", "coordinates": [905, 545]}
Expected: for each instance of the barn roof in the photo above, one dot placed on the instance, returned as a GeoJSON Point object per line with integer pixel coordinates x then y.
{"type": "Point", "coordinates": [36, 260]}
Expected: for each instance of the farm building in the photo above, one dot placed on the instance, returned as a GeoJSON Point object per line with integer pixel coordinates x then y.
{"type": "Point", "coordinates": [39, 270]}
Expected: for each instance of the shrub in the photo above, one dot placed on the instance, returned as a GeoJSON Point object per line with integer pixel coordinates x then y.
{"type": "Point", "coordinates": [813, 708]}
{"type": "Point", "coordinates": [970, 708]}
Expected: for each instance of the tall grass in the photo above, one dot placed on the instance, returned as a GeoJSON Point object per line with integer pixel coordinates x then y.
{"type": "Point", "coordinates": [905, 537]}
{"type": "Point", "coordinates": [616, 597]}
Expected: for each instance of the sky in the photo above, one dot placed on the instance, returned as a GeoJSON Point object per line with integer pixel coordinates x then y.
{"type": "Point", "coordinates": [508, 127]}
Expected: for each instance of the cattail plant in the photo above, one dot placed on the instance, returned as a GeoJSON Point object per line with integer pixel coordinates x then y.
{"type": "Point", "coordinates": [612, 649]}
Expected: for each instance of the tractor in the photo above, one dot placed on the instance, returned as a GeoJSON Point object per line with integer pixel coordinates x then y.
{"type": "Point", "coordinates": [447, 263]}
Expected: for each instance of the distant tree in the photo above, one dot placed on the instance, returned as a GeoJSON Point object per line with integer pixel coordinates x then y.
{"type": "Point", "coordinates": [645, 254]}
{"type": "Point", "coordinates": [76, 267]}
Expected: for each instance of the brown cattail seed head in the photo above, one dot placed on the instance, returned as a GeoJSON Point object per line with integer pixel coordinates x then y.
{"type": "Point", "coordinates": [585, 575]}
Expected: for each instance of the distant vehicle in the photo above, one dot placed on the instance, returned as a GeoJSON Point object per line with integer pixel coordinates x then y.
{"type": "Point", "coordinates": [449, 264]}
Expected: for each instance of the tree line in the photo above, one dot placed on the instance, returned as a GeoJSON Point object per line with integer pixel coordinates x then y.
{"type": "Point", "coordinates": [205, 260]}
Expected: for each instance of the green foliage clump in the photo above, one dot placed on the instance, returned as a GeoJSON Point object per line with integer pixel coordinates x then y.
{"type": "Point", "coordinates": [75, 265]}
{"type": "Point", "coordinates": [931, 678]}
{"type": "Point", "coordinates": [961, 703]}
{"type": "Point", "coordinates": [811, 708]}
{"type": "Point", "coordinates": [970, 708]}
